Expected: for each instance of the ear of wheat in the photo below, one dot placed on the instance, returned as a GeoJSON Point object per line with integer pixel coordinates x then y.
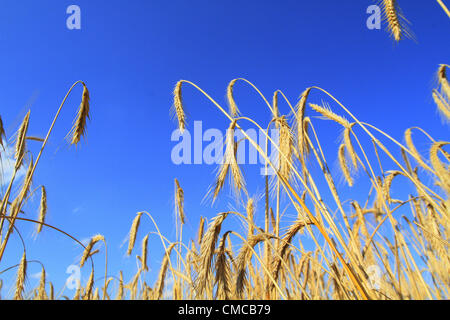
{"type": "Point", "coordinates": [178, 107]}
{"type": "Point", "coordinates": [79, 128]}
{"type": "Point", "coordinates": [442, 104]}
{"type": "Point", "coordinates": [301, 131]}
{"type": "Point", "coordinates": [286, 148]}
{"type": "Point", "coordinates": [2, 133]}
{"type": "Point", "coordinates": [20, 279]}
{"type": "Point", "coordinates": [397, 24]}
{"type": "Point", "coordinates": [144, 253]}
{"type": "Point", "coordinates": [276, 112]}
{"type": "Point", "coordinates": [229, 164]}
{"type": "Point", "coordinates": [133, 232]}
{"type": "Point", "coordinates": [42, 209]}
{"type": "Point", "coordinates": [20, 141]}
{"type": "Point", "coordinates": [87, 250]}
{"type": "Point", "coordinates": [344, 166]}
{"type": "Point", "coordinates": [159, 287]}
{"type": "Point", "coordinates": [233, 109]}
{"type": "Point", "coordinates": [179, 201]}
{"type": "Point", "coordinates": [207, 251]}
{"type": "Point", "coordinates": [328, 114]}
{"type": "Point", "coordinates": [443, 81]}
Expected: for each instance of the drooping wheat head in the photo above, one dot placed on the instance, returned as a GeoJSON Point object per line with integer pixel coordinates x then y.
{"type": "Point", "coordinates": [233, 109]}
{"type": "Point", "coordinates": [79, 127]}
{"type": "Point", "coordinates": [178, 107]}
{"type": "Point", "coordinates": [20, 279]}
{"type": "Point", "coordinates": [42, 209]}
{"type": "Point", "coordinates": [133, 232]}
{"type": "Point", "coordinates": [21, 141]}
{"type": "Point", "coordinates": [88, 249]}
{"type": "Point", "coordinates": [144, 253]}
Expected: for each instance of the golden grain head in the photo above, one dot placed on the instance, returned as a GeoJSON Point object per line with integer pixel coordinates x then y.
{"type": "Point", "coordinates": [201, 228]}
{"type": "Point", "coordinates": [442, 104]}
{"type": "Point", "coordinates": [391, 13]}
{"type": "Point", "coordinates": [26, 182]}
{"type": "Point", "coordinates": [330, 115]}
{"type": "Point", "coordinates": [2, 133]}
{"type": "Point", "coordinates": [229, 162]}
{"type": "Point", "coordinates": [80, 124]}
{"type": "Point", "coordinates": [250, 209]}
{"type": "Point", "coordinates": [276, 112]}
{"type": "Point", "coordinates": [42, 209]}
{"type": "Point", "coordinates": [121, 287]}
{"type": "Point", "coordinates": [285, 148]}
{"type": "Point", "coordinates": [440, 169]}
{"type": "Point", "coordinates": [21, 141]}
{"type": "Point", "coordinates": [41, 292]}
{"type": "Point", "coordinates": [302, 144]}
{"type": "Point", "coordinates": [178, 106]}
{"type": "Point", "coordinates": [207, 250]}
{"type": "Point", "coordinates": [88, 249]}
{"type": "Point", "coordinates": [89, 287]}
{"type": "Point", "coordinates": [144, 253]}
{"type": "Point", "coordinates": [160, 282]}
{"type": "Point", "coordinates": [233, 109]}
{"type": "Point", "coordinates": [133, 232]}
{"type": "Point", "coordinates": [179, 201]}
{"type": "Point", "coordinates": [442, 73]}
{"type": "Point", "coordinates": [344, 165]}
{"type": "Point", "coordinates": [20, 278]}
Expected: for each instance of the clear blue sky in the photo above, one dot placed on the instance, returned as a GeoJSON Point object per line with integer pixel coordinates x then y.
{"type": "Point", "coordinates": [131, 53]}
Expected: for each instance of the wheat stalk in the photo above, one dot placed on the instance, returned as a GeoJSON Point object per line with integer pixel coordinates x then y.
{"type": "Point", "coordinates": [444, 7]}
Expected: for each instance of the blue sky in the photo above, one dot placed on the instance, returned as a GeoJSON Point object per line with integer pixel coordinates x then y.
{"type": "Point", "coordinates": [131, 54]}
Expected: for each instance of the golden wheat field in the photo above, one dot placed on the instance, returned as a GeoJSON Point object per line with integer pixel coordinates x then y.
{"type": "Point", "coordinates": [392, 246]}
